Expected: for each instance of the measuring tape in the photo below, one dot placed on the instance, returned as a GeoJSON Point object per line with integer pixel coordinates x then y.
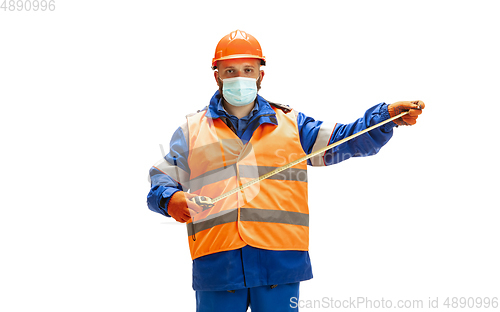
{"type": "Point", "coordinates": [207, 202]}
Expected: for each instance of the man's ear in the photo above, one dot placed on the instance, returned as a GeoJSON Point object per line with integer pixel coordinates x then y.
{"type": "Point", "coordinates": [261, 75]}
{"type": "Point", "coordinates": [216, 76]}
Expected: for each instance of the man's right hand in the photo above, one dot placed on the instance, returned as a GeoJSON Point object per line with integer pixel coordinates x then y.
{"type": "Point", "coordinates": [181, 208]}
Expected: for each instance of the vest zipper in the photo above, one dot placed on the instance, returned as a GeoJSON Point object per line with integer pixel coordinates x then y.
{"type": "Point", "coordinates": [239, 210]}
{"type": "Point", "coordinates": [192, 227]}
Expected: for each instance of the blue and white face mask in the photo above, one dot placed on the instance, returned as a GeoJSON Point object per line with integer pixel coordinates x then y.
{"type": "Point", "coordinates": [239, 91]}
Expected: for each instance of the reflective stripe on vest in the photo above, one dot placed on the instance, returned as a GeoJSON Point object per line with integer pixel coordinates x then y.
{"type": "Point", "coordinates": [251, 214]}
{"type": "Point", "coordinates": [252, 172]}
{"type": "Point", "coordinates": [271, 214]}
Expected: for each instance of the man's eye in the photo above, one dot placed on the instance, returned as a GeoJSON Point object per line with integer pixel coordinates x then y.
{"type": "Point", "coordinates": [229, 71]}
{"type": "Point", "coordinates": [248, 70]}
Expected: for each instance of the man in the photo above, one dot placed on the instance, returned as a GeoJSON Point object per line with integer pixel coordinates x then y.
{"type": "Point", "coordinates": [251, 248]}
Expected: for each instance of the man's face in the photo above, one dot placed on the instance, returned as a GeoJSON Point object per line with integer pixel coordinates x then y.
{"type": "Point", "coordinates": [249, 68]}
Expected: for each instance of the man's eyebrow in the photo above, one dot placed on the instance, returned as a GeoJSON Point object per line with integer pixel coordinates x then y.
{"type": "Point", "coordinates": [244, 65]}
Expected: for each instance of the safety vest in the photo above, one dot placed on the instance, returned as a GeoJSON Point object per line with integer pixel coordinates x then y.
{"type": "Point", "coordinates": [272, 214]}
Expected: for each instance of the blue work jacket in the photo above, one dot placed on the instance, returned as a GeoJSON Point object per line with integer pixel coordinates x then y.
{"type": "Point", "coordinates": [250, 266]}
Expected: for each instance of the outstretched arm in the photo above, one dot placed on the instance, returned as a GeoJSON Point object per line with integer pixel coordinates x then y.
{"type": "Point", "coordinates": [317, 134]}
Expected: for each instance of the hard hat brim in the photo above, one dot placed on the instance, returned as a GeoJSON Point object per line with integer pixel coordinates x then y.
{"type": "Point", "coordinates": [238, 56]}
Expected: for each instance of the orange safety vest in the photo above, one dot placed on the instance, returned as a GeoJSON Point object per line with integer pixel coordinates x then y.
{"type": "Point", "coordinates": [272, 214]}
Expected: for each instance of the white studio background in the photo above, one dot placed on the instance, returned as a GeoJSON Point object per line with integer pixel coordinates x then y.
{"type": "Point", "coordinates": [90, 90]}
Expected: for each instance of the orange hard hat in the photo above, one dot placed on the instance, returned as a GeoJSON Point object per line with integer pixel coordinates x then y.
{"type": "Point", "coordinates": [238, 44]}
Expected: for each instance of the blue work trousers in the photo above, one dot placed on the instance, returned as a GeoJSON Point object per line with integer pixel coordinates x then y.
{"type": "Point", "coordinates": [259, 299]}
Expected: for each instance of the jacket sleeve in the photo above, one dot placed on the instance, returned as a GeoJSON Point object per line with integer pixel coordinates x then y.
{"type": "Point", "coordinates": [315, 135]}
{"type": "Point", "coordinates": [169, 175]}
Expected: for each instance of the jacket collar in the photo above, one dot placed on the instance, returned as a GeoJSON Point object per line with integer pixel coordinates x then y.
{"type": "Point", "coordinates": [261, 109]}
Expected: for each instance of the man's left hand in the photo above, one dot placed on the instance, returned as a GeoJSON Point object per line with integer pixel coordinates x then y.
{"type": "Point", "coordinates": [415, 108]}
